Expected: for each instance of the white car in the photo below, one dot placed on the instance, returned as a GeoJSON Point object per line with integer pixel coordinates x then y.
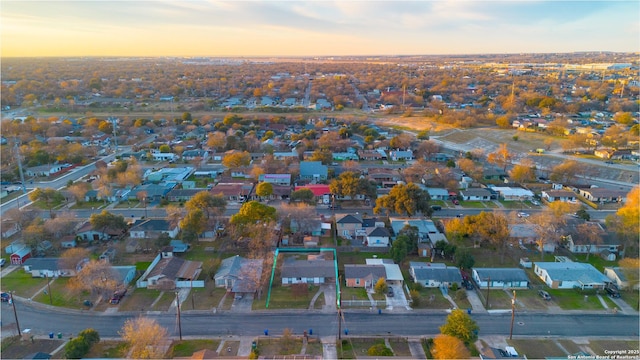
{"type": "Point", "coordinates": [523, 215]}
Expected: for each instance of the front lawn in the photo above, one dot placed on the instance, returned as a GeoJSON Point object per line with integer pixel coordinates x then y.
{"type": "Point", "coordinates": [108, 349]}
{"type": "Point", "coordinates": [282, 297]}
{"type": "Point", "coordinates": [22, 283]}
{"type": "Point", "coordinates": [139, 300]}
{"type": "Point", "coordinates": [205, 298]}
{"type": "Point", "coordinates": [572, 299]}
{"type": "Point", "coordinates": [537, 349]}
{"type": "Point", "coordinates": [530, 300]}
{"type": "Point", "coordinates": [61, 296]}
{"type": "Point", "coordinates": [631, 297]}
{"type": "Point", "coordinates": [349, 293]}
{"type": "Point", "coordinates": [166, 299]}
{"type": "Point", "coordinates": [431, 298]}
{"type": "Point", "coordinates": [86, 205]}
{"type": "Point", "coordinates": [186, 348]}
{"type": "Point", "coordinates": [270, 347]}
{"type": "Point", "coordinates": [498, 299]}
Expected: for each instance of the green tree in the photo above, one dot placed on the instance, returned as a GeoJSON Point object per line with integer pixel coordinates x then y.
{"type": "Point", "coordinates": [252, 212]}
{"type": "Point", "coordinates": [399, 248]}
{"type": "Point", "coordinates": [404, 199]}
{"type": "Point", "coordinates": [494, 228]}
{"type": "Point", "coordinates": [264, 189]}
{"type": "Point", "coordinates": [164, 148]}
{"type": "Point", "coordinates": [304, 195]}
{"type": "Point", "coordinates": [464, 259]}
{"type": "Point", "coordinates": [106, 220]}
{"type": "Point", "coordinates": [49, 196]}
{"type": "Point", "coordinates": [379, 350]}
{"type": "Point", "coordinates": [460, 325]}
{"type": "Point", "coordinates": [76, 348]}
{"type": "Point", "coordinates": [423, 135]}
{"type": "Point", "coordinates": [211, 205]}
{"type": "Point", "coordinates": [412, 237]}
{"type": "Point", "coordinates": [186, 116]}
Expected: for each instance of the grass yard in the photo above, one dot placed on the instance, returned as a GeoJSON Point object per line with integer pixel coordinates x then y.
{"type": "Point", "coordinates": [597, 262]}
{"type": "Point", "coordinates": [204, 298]}
{"type": "Point", "coordinates": [431, 298]}
{"type": "Point", "coordinates": [85, 205]}
{"type": "Point", "coordinates": [279, 346]}
{"type": "Point", "coordinates": [320, 302]}
{"type": "Point", "coordinates": [569, 345]}
{"type": "Point", "coordinates": [530, 300]}
{"type": "Point", "coordinates": [314, 347]}
{"type": "Point", "coordinates": [357, 257]}
{"type": "Point", "coordinates": [570, 299]}
{"type": "Point", "coordinates": [478, 204]}
{"type": "Point", "coordinates": [631, 297]}
{"type": "Point", "coordinates": [400, 347]}
{"type": "Point", "coordinates": [14, 348]}
{"type": "Point", "coordinates": [537, 349]}
{"type": "Point", "coordinates": [361, 345]}
{"type": "Point", "coordinates": [62, 297]}
{"type": "Point", "coordinates": [599, 346]}
{"type": "Point", "coordinates": [22, 283]}
{"type": "Point", "coordinates": [345, 349]}
{"type": "Point", "coordinates": [108, 349]}
{"type": "Point", "coordinates": [139, 300]}
{"type": "Point", "coordinates": [128, 204]}
{"type": "Point", "coordinates": [283, 298]}
{"type": "Point", "coordinates": [186, 348]}
{"type": "Point", "coordinates": [166, 299]}
{"type": "Point", "coordinates": [498, 299]}
{"type": "Point", "coordinates": [349, 293]}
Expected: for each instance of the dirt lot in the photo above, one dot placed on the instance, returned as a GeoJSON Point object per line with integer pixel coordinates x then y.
{"type": "Point", "coordinates": [14, 348]}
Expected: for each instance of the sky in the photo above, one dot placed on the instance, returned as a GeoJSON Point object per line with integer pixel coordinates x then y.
{"type": "Point", "coordinates": [240, 28]}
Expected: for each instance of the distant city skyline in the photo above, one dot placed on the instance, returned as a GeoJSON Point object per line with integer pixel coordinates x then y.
{"type": "Point", "coordinates": [315, 28]}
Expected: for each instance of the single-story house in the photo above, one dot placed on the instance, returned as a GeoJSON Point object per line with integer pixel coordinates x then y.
{"type": "Point", "coordinates": [438, 193]}
{"type": "Point", "coordinates": [239, 275]}
{"type": "Point", "coordinates": [475, 194]}
{"type": "Point", "coordinates": [362, 275]}
{"type": "Point", "coordinates": [68, 242]}
{"type": "Point", "coordinates": [276, 179]}
{"type": "Point", "coordinates": [86, 232]}
{"type": "Point", "coordinates": [401, 155]}
{"type": "Point", "coordinates": [377, 237]}
{"type": "Point", "coordinates": [46, 267]}
{"type": "Point", "coordinates": [434, 274]}
{"type": "Point", "coordinates": [313, 170]}
{"type": "Point", "coordinates": [425, 227]}
{"type": "Point", "coordinates": [558, 195]}
{"type": "Point", "coordinates": [124, 274]}
{"type": "Point", "coordinates": [513, 193]}
{"type": "Point", "coordinates": [569, 275]}
{"type": "Point", "coordinates": [509, 278]}
{"type": "Point", "coordinates": [320, 191]}
{"type": "Point", "coordinates": [523, 233]}
{"type": "Point", "coordinates": [14, 246]}
{"type": "Point", "coordinates": [233, 191]}
{"type": "Point", "coordinates": [392, 270]}
{"type": "Point", "coordinates": [307, 271]}
{"type": "Point", "coordinates": [178, 246]}
{"type": "Point", "coordinates": [43, 170]}
{"type": "Point", "coordinates": [8, 228]}
{"type": "Point", "coordinates": [618, 277]}
{"type": "Point", "coordinates": [601, 195]}
{"type": "Point", "coordinates": [182, 194]}
{"type": "Point", "coordinates": [170, 273]}
{"type": "Point", "coordinates": [152, 228]}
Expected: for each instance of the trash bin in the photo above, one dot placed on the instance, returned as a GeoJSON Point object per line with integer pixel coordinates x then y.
{"type": "Point", "coordinates": [59, 335]}
{"type": "Point", "coordinates": [379, 311]}
{"type": "Point", "coordinates": [254, 345]}
{"type": "Point", "coordinates": [346, 331]}
{"type": "Point", "coordinates": [50, 335]}
{"type": "Point", "coordinates": [469, 311]}
{"type": "Point", "coordinates": [266, 332]}
{"type": "Point", "coordinates": [310, 331]}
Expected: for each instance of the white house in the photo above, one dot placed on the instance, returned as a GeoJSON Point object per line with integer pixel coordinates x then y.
{"type": "Point", "coordinates": [501, 278]}
{"type": "Point", "coordinates": [392, 271]}
{"type": "Point", "coordinates": [158, 156]}
{"type": "Point", "coordinates": [43, 170]}
{"type": "Point", "coordinates": [513, 194]}
{"type": "Point", "coordinates": [475, 194]}
{"type": "Point", "coordinates": [377, 237]}
{"type": "Point", "coordinates": [559, 195]}
{"type": "Point", "coordinates": [308, 271]}
{"type": "Point", "coordinates": [618, 277]}
{"type": "Point", "coordinates": [399, 155]}
{"type": "Point", "coordinates": [569, 275]}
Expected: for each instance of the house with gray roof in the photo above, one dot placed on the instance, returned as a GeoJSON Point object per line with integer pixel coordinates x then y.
{"type": "Point", "coordinates": [501, 278]}
{"type": "Point", "coordinates": [475, 194]}
{"type": "Point", "coordinates": [617, 276]}
{"type": "Point", "coordinates": [569, 275]}
{"type": "Point", "coordinates": [363, 275]}
{"type": "Point", "coordinates": [307, 271]}
{"type": "Point", "coordinates": [239, 275]}
{"type": "Point", "coordinates": [377, 237]}
{"type": "Point", "coordinates": [313, 170]}
{"type": "Point", "coordinates": [46, 267]}
{"type": "Point", "coordinates": [434, 274]}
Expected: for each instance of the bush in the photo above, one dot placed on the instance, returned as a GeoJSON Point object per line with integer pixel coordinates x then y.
{"type": "Point", "coordinates": [415, 295]}
{"type": "Point", "coordinates": [379, 350]}
{"type": "Point", "coordinates": [76, 348]}
{"type": "Point", "coordinates": [454, 286]}
{"type": "Point", "coordinates": [90, 336]}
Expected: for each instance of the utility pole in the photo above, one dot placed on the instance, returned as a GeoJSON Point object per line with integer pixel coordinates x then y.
{"type": "Point", "coordinates": [513, 314]}
{"type": "Point", "coordinates": [49, 289]}
{"type": "Point", "coordinates": [179, 323]}
{"type": "Point", "coordinates": [15, 314]}
{"type": "Point", "coordinates": [335, 221]}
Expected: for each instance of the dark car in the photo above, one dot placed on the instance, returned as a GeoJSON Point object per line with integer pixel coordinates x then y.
{"type": "Point", "coordinates": [117, 296]}
{"type": "Point", "coordinates": [455, 202]}
{"type": "Point", "coordinates": [612, 291]}
{"type": "Point", "coordinates": [390, 293]}
{"type": "Point", "coordinates": [545, 295]}
{"type": "Point", "coordinates": [4, 297]}
{"type": "Point", "coordinates": [436, 207]}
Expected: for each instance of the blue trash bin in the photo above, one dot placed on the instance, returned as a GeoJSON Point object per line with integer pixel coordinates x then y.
{"type": "Point", "coordinates": [379, 311]}
{"type": "Point", "coordinates": [50, 335]}
{"type": "Point", "coordinates": [266, 332]}
{"type": "Point", "coordinates": [346, 331]}
{"type": "Point", "coordinates": [310, 331]}
{"type": "Point", "coordinates": [469, 311]}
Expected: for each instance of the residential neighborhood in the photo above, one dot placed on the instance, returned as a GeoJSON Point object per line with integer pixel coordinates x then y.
{"type": "Point", "coordinates": [255, 205]}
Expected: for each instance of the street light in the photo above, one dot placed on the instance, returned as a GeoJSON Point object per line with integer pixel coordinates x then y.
{"type": "Point", "coordinates": [513, 314]}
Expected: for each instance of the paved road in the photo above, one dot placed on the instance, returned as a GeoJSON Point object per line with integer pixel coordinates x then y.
{"type": "Point", "coordinates": [357, 323]}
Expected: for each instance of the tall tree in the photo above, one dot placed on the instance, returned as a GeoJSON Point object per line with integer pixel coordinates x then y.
{"type": "Point", "coordinates": [97, 277]}
{"type": "Point", "coordinates": [399, 248]}
{"type": "Point", "coordinates": [193, 224]}
{"type": "Point", "coordinates": [449, 347]}
{"type": "Point", "coordinates": [404, 199]}
{"type": "Point", "coordinates": [565, 172]}
{"type": "Point", "coordinates": [590, 235]}
{"type": "Point", "coordinates": [264, 189]}
{"type": "Point", "coordinates": [72, 258]}
{"type": "Point", "coordinates": [107, 220]}
{"type": "Point", "coordinates": [236, 159]}
{"type": "Point", "coordinates": [252, 212]}
{"type": "Point", "coordinates": [501, 157]}
{"type": "Point", "coordinates": [523, 172]}
{"type": "Point", "coordinates": [304, 195]}
{"type": "Point", "coordinates": [494, 228]}
{"type": "Point", "coordinates": [211, 205]}
{"type": "Point", "coordinates": [145, 337]}
{"type": "Point", "coordinates": [460, 325]}
{"type": "Point", "coordinates": [628, 216]}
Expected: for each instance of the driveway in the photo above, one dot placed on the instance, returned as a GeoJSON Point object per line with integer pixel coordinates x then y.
{"type": "Point", "coordinates": [242, 305]}
{"type": "Point", "coordinates": [398, 300]}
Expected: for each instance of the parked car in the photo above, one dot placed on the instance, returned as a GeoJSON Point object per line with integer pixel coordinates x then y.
{"type": "Point", "coordinates": [523, 215]}
{"type": "Point", "coordinates": [336, 207]}
{"type": "Point", "coordinates": [545, 295]}
{"type": "Point", "coordinates": [390, 293]}
{"type": "Point", "coordinates": [612, 290]}
{"type": "Point", "coordinates": [3, 261]}
{"type": "Point", "coordinates": [4, 297]}
{"type": "Point", "coordinates": [455, 202]}
{"type": "Point", "coordinates": [117, 296]}
{"type": "Point", "coordinates": [436, 207]}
